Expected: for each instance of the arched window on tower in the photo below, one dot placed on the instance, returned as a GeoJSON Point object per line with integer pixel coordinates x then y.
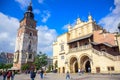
{"type": "Point", "coordinates": [31, 34]}
{"type": "Point", "coordinates": [30, 56]}
{"type": "Point", "coordinates": [29, 46]}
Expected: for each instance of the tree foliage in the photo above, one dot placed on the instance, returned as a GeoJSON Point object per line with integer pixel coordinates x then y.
{"type": "Point", "coordinates": [40, 60]}
{"type": "Point", "coordinates": [50, 68]}
{"type": "Point", "coordinates": [25, 67]}
{"type": "Point", "coordinates": [2, 65]}
{"type": "Point", "coordinates": [5, 66]}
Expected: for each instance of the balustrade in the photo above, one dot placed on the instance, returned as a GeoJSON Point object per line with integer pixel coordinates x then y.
{"type": "Point", "coordinates": [80, 48]}
{"type": "Point", "coordinates": [100, 53]}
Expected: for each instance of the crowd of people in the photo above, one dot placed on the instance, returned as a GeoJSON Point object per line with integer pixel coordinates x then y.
{"type": "Point", "coordinates": [8, 75]}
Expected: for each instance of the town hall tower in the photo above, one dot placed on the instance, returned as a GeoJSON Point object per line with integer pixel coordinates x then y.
{"type": "Point", "coordinates": [26, 41]}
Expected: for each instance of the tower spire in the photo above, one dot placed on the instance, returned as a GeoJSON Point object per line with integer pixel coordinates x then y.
{"type": "Point", "coordinates": [30, 6]}
{"type": "Point", "coordinates": [29, 13]}
{"type": "Point", "coordinates": [30, 2]}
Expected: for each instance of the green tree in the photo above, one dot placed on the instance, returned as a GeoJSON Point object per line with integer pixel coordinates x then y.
{"type": "Point", "coordinates": [25, 67]}
{"type": "Point", "coordinates": [8, 66]}
{"type": "Point", "coordinates": [5, 66]}
{"type": "Point", "coordinates": [2, 65]}
{"type": "Point", "coordinates": [40, 60]}
{"type": "Point", "coordinates": [50, 67]}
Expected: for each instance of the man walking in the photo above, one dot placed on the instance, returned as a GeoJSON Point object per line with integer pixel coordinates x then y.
{"type": "Point", "coordinates": [32, 74]}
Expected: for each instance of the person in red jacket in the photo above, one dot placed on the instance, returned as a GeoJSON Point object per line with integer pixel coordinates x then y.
{"type": "Point", "coordinates": [9, 75]}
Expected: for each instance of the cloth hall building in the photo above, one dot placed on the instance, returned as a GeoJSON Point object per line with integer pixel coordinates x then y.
{"type": "Point", "coordinates": [88, 47]}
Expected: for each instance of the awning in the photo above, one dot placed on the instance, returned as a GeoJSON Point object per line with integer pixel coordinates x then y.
{"type": "Point", "coordinates": [80, 38]}
{"type": "Point", "coordinates": [105, 43]}
{"type": "Point", "coordinates": [13, 68]}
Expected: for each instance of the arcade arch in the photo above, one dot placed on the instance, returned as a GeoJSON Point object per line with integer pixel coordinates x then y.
{"type": "Point", "coordinates": [85, 63]}
{"type": "Point", "coordinates": [73, 65]}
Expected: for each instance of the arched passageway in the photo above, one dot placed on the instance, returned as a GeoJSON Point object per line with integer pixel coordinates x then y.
{"type": "Point", "coordinates": [73, 65]}
{"type": "Point", "coordinates": [85, 63]}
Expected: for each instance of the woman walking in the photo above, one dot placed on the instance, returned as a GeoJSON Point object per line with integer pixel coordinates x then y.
{"type": "Point", "coordinates": [67, 76]}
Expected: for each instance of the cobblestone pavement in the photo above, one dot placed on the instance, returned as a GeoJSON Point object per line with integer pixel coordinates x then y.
{"type": "Point", "coordinates": [55, 76]}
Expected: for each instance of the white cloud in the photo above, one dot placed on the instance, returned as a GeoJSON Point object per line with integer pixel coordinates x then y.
{"type": "Point", "coordinates": [8, 29]}
{"type": "Point", "coordinates": [23, 3]}
{"type": "Point", "coordinates": [46, 37]}
{"type": "Point", "coordinates": [65, 27]}
{"type": "Point", "coordinates": [46, 14]}
{"type": "Point", "coordinates": [40, 1]}
{"type": "Point", "coordinates": [110, 22]}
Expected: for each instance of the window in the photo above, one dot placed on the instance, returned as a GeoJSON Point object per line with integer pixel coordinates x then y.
{"type": "Point", "coordinates": [62, 47]}
{"type": "Point", "coordinates": [62, 57]}
{"type": "Point", "coordinates": [29, 46]}
{"type": "Point", "coordinates": [30, 56]}
{"type": "Point", "coordinates": [110, 68]}
{"type": "Point", "coordinates": [31, 34]}
{"type": "Point", "coordinates": [98, 69]}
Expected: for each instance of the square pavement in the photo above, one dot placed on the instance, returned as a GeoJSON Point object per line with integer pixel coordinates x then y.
{"type": "Point", "coordinates": [74, 76]}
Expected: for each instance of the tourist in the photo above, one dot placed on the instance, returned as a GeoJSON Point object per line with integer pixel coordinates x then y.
{"type": "Point", "coordinates": [89, 69]}
{"type": "Point", "coordinates": [41, 73]}
{"type": "Point", "coordinates": [9, 73]}
{"type": "Point", "coordinates": [79, 72]}
{"type": "Point", "coordinates": [4, 75]}
{"type": "Point", "coordinates": [32, 74]}
{"type": "Point", "coordinates": [67, 76]}
{"type": "Point", "coordinates": [12, 75]}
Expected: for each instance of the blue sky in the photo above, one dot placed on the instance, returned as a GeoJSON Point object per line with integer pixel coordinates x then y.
{"type": "Point", "coordinates": [52, 17]}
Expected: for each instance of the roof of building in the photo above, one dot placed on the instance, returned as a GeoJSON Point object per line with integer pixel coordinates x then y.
{"type": "Point", "coordinates": [80, 38]}
{"type": "Point", "coordinates": [10, 55]}
{"type": "Point", "coordinates": [105, 43]}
